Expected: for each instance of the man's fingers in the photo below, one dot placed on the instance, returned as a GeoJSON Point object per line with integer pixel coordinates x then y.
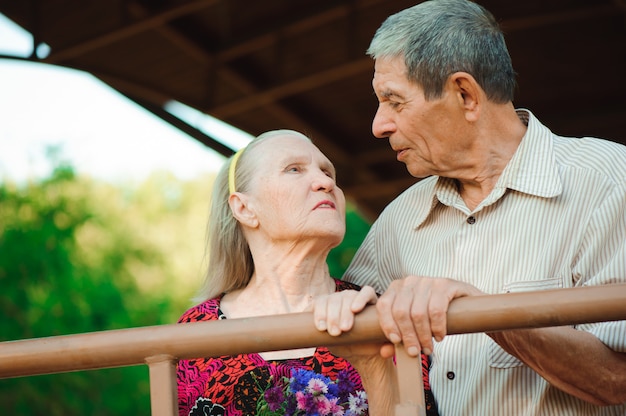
{"type": "Point", "coordinates": [414, 323]}
{"type": "Point", "coordinates": [393, 311]}
{"type": "Point", "coordinates": [404, 314]}
{"type": "Point", "coordinates": [438, 312]}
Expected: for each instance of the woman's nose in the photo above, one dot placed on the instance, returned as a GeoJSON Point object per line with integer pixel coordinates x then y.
{"type": "Point", "coordinates": [382, 125]}
{"type": "Point", "coordinates": [323, 182]}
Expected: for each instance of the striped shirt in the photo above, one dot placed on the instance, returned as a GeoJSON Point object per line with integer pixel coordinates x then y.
{"type": "Point", "coordinates": [555, 219]}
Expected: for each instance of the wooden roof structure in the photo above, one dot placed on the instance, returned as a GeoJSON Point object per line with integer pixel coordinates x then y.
{"type": "Point", "coordinates": [301, 64]}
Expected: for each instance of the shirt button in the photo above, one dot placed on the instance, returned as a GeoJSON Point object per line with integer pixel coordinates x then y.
{"type": "Point", "coordinates": [450, 375]}
{"type": "Point", "coordinates": [471, 220]}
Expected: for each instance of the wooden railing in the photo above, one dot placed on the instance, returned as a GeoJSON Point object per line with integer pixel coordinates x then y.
{"type": "Point", "coordinates": [161, 346]}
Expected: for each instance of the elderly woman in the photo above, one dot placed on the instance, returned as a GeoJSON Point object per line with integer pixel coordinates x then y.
{"type": "Point", "coordinates": [276, 213]}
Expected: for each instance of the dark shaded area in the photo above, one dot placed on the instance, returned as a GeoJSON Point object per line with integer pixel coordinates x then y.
{"type": "Point", "coordinates": [301, 65]}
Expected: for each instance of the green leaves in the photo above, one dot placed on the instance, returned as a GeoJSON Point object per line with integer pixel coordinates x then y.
{"type": "Point", "coordinates": [81, 256]}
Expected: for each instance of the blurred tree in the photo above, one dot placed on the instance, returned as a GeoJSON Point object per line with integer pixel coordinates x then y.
{"type": "Point", "coordinates": [356, 229]}
{"type": "Point", "coordinates": [80, 256]}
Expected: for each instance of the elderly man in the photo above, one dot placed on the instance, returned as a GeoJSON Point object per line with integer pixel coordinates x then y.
{"type": "Point", "coordinates": [503, 205]}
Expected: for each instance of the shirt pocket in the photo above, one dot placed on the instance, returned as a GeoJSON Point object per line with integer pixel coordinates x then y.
{"type": "Point", "coordinates": [498, 358]}
{"type": "Point", "coordinates": [532, 285]}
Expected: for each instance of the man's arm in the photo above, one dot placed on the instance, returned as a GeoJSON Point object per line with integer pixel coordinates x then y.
{"type": "Point", "coordinates": [414, 311]}
{"type": "Point", "coordinates": [573, 361]}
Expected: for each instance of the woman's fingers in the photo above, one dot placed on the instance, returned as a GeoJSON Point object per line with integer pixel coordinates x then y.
{"type": "Point", "coordinates": [335, 312]}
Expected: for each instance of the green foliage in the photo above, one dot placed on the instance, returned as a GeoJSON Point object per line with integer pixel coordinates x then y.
{"type": "Point", "coordinates": [356, 229]}
{"type": "Point", "coordinates": [81, 256]}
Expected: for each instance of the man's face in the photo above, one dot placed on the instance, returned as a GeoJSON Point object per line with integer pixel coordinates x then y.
{"type": "Point", "coordinates": [426, 135]}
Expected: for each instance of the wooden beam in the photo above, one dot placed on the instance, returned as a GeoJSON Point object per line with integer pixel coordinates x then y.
{"type": "Point", "coordinates": [62, 55]}
{"type": "Point", "coordinates": [291, 88]}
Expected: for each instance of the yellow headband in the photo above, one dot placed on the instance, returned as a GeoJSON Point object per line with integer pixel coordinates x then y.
{"type": "Point", "coordinates": [231, 171]}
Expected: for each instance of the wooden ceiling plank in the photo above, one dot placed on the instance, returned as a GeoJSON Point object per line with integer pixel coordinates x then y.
{"type": "Point", "coordinates": [311, 22]}
{"type": "Point", "coordinates": [190, 48]}
{"type": "Point", "coordinates": [339, 156]}
{"type": "Point", "coordinates": [247, 47]}
{"type": "Point", "coordinates": [132, 88]}
{"type": "Point", "coordinates": [254, 100]}
{"type": "Point", "coordinates": [563, 16]}
{"type": "Point", "coordinates": [122, 33]}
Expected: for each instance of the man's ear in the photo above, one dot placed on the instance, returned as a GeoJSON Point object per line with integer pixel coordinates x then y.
{"type": "Point", "coordinates": [470, 95]}
{"type": "Point", "coordinates": [242, 210]}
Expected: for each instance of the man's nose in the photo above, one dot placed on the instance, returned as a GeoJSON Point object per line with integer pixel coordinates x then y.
{"type": "Point", "coordinates": [382, 125]}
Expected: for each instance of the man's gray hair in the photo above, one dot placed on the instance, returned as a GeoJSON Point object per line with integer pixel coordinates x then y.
{"type": "Point", "coordinates": [440, 37]}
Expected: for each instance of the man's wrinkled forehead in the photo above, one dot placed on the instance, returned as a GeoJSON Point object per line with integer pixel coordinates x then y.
{"type": "Point", "coordinates": [389, 80]}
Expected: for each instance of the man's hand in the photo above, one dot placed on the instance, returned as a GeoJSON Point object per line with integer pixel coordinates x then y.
{"type": "Point", "coordinates": [414, 310]}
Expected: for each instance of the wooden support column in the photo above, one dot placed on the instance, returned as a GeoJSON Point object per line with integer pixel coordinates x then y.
{"type": "Point", "coordinates": [163, 392]}
{"type": "Point", "coordinates": [410, 384]}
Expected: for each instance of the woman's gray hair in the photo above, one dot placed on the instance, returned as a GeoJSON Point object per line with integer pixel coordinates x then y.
{"type": "Point", "coordinates": [230, 263]}
{"type": "Point", "coordinates": [440, 37]}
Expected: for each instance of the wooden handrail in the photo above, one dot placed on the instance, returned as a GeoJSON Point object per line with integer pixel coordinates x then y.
{"type": "Point", "coordinates": [125, 347]}
{"type": "Point", "coordinates": [161, 346]}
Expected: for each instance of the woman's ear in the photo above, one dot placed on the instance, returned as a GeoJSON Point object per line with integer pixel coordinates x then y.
{"type": "Point", "coordinates": [470, 94]}
{"type": "Point", "coordinates": [242, 209]}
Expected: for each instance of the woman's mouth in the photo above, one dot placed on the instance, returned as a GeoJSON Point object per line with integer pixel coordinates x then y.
{"type": "Point", "coordinates": [325, 204]}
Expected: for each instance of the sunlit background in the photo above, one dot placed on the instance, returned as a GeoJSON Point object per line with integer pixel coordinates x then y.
{"type": "Point", "coordinates": [93, 127]}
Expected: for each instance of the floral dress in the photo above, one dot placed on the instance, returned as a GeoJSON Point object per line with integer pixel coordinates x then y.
{"type": "Point", "coordinates": [240, 385]}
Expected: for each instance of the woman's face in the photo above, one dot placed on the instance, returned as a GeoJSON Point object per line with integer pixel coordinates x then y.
{"type": "Point", "coordinates": [294, 194]}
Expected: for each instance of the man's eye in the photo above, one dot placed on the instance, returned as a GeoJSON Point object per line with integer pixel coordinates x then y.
{"type": "Point", "coordinates": [394, 104]}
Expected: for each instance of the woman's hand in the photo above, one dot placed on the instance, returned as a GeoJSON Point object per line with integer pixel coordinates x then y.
{"type": "Point", "coordinates": [335, 313]}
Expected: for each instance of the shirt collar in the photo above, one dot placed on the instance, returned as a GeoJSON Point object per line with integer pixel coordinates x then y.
{"type": "Point", "coordinates": [533, 169]}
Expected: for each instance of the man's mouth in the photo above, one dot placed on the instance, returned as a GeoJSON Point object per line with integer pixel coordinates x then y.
{"type": "Point", "coordinates": [400, 153]}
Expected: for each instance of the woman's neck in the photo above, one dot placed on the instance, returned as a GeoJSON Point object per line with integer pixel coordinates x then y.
{"type": "Point", "coordinates": [283, 282]}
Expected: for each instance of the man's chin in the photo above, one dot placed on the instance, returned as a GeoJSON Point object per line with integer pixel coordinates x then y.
{"type": "Point", "coordinates": [419, 174]}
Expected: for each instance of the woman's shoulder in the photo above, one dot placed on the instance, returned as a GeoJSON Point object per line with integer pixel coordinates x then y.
{"type": "Point", "coordinates": [209, 310]}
